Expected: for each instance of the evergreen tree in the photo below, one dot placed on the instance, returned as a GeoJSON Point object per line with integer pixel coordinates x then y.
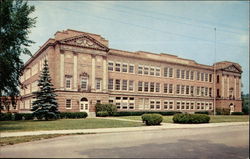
{"type": "Point", "coordinates": [45, 106]}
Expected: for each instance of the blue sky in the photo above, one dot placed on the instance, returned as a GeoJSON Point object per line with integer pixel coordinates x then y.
{"type": "Point", "coordinates": [185, 29]}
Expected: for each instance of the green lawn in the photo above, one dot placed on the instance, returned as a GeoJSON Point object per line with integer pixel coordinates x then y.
{"type": "Point", "coordinates": [64, 124]}
{"type": "Point", "coordinates": [214, 119]}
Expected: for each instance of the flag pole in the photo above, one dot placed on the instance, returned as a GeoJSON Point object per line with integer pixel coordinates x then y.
{"type": "Point", "coordinates": [214, 71]}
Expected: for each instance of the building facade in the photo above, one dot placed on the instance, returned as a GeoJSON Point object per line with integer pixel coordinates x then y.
{"type": "Point", "coordinates": [85, 71]}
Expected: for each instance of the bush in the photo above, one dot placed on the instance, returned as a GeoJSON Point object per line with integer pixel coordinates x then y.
{"type": "Point", "coordinates": [202, 112]}
{"type": "Point", "coordinates": [5, 116]}
{"type": "Point", "coordinates": [110, 108]}
{"type": "Point", "coordinates": [222, 111]}
{"type": "Point", "coordinates": [237, 113]}
{"type": "Point", "coordinates": [191, 118]}
{"type": "Point", "coordinates": [72, 115]}
{"type": "Point", "coordinates": [124, 113]}
{"type": "Point", "coordinates": [23, 116]}
{"type": "Point", "coordinates": [102, 113]}
{"type": "Point", "coordinates": [152, 119]}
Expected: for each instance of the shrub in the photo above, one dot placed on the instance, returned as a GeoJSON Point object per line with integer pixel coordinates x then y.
{"type": "Point", "coordinates": [5, 116]}
{"type": "Point", "coordinates": [152, 119]}
{"type": "Point", "coordinates": [102, 113]}
{"type": "Point", "coordinates": [72, 115]}
{"type": "Point", "coordinates": [222, 111]}
{"type": "Point", "coordinates": [191, 118]}
{"type": "Point", "coordinates": [237, 113]}
{"type": "Point", "coordinates": [139, 113]}
{"type": "Point", "coordinates": [110, 108]}
{"type": "Point", "coordinates": [27, 116]}
{"type": "Point", "coordinates": [202, 112]}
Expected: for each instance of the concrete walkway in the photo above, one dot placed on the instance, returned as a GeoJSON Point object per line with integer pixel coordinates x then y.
{"type": "Point", "coordinates": [164, 126]}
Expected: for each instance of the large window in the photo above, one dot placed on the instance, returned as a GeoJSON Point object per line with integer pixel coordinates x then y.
{"type": "Point", "coordinates": [146, 85]}
{"type": "Point", "coordinates": [124, 67]}
{"type": "Point", "coordinates": [170, 72]}
{"type": "Point", "coordinates": [187, 90]}
{"type": "Point", "coordinates": [198, 76]}
{"type": "Point", "coordinates": [131, 68]}
{"type": "Point", "coordinates": [117, 84]}
{"type": "Point", "coordinates": [191, 75]}
{"type": "Point", "coordinates": [152, 71]}
{"type": "Point", "coordinates": [152, 86]}
{"type": "Point", "coordinates": [140, 86]}
{"type": "Point", "coordinates": [192, 90]}
{"type": "Point", "coordinates": [206, 77]}
{"type": "Point", "coordinates": [202, 76]}
{"type": "Point", "coordinates": [124, 85]}
{"type": "Point", "coordinates": [182, 89]}
{"type": "Point", "coordinates": [157, 71]}
{"type": "Point", "coordinates": [182, 74]}
{"type": "Point", "coordinates": [178, 105]}
{"type": "Point", "coordinates": [84, 83]}
{"type": "Point", "coordinates": [165, 104]}
{"type": "Point", "coordinates": [170, 88]}
{"type": "Point", "coordinates": [98, 83]}
{"type": "Point", "coordinates": [117, 67]}
{"type": "Point", "coordinates": [68, 82]}
{"type": "Point", "coordinates": [140, 68]}
{"type": "Point", "coordinates": [157, 87]}
{"type": "Point", "coordinates": [187, 74]}
{"type": "Point", "coordinates": [165, 71]}
{"type": "Point", "coordinates": [178, 73]}
{"type": "Point", "coordinates": [198, 91]}
{"type": "Point", "coordinates": [131, 85]}
{"type": "Point", "coordinates": [210, 77]}
{"type": "Point", "coordinates": [110, 66]}
{"type": "Point", "coordinates": [165, 89]}
{"type": "Point", "coordinates": [178, 89]}
{"type": "Point", "coordinates": [68, 103]}
{"type": "Point", "coordinates": [111, 84]}
{"type": "Point", "coordinates": [146, 70]}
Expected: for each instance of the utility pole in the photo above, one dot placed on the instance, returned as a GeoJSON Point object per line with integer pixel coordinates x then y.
{"type": "Point", "coordinates": [215, 71]}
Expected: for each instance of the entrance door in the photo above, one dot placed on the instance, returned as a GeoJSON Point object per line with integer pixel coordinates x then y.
{"type": "Point", "coordinates": [231, 108]}
{"type": "Point", "coordinates": [84, 105]}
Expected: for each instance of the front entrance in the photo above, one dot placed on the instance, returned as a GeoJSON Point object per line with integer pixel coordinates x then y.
{"type": "Point", "coordinates": [84, 105]}
{"type": "Point", "coordinates": [231, 108]}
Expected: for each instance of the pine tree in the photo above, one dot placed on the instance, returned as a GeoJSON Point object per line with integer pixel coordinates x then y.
{"type": "Point", "coordinates": [45, 106]}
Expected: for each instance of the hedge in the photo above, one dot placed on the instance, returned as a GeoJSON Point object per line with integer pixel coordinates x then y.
{"type": "Point", "coordinates": [222, 111]}
{"type": "Point", "coordinates": [5, 116]}
{"type": "Point", "coordinates": [110, 108]}
{"type": "Point", "coordinates": [72, 115]}
{"type": "Point", "coordinates": [191, 118]}
{"type": "Point", "coordinates": [139, 113]}
{"type": "Point", "coordinates": [152, 119]}
{"type": "Point", "coordinates": [102, 113]}
{"type": "Point", "coordinates": [237, 113]}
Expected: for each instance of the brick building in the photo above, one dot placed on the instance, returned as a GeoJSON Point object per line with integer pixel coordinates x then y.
{"type": "Point", "coordinates": [86, 71]}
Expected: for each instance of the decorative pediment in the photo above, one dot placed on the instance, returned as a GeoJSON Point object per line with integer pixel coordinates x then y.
{"type": "Point", "coordinates": [84, 41]}
{"type": "Point", "coordinates": [232, 68]}
{"type": "Point", "coordinates": [84, 74]}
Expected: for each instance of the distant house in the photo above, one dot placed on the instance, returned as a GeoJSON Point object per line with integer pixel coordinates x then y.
{"type": "Point", "coordinates": [85, 71]}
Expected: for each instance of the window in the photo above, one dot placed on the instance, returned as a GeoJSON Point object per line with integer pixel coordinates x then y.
{"type": "Point", "coordinates": [182, 74]}
{"type": "Point", "coordinates": [140, 86]}
{"type": "Point", "coordinates": [171, 105]}
{"type": "Point", "coordinates": [140, 69]}
{"type": "Point", "coordinates": [98, 84]}
{"type": "Point", "coordinates": [131, 102]}
{"type": "Point", "coordinates": [187, 90]}
{"type": "Point", "coordinates": [187, 105]}
{"type": "Point", "coordinates": [178, 73]}
{"type": "Point", "coordinates": [210, 105]}
{"type": "Point", "coordinates": [198, 91]}
{"type": "Point", "coordinates": [124, 85]}
{"type": "Point", "coordinates": [178, 89]}
{"type": "Point", "coordinates": [157, 71]}
{"type": "Point", "coordinates": [110, 66]}
{"type": "Point", "coordinates": [170, 88]}
{"type": "Point", "coordinates": [158, 104]}
{"type": "Point", "coordinates": [202, 91]}
{"type": "Point", "coordinates": [202, 76]}
{"type": "Point", "coordinates": [182, 89]}
{"type": "Point", "coordinates": [111, 84]}
{"type": "Point", "coordinates": [165, 90]}
{"type": "Point", "coordinates": [111, 100]}
{"type": "Point", "coordinates": [98, 101]}
{"type": "Point", "coordinates": [68, 82]}
{"type": "Point", "coordinates": [198, 76]}
{"type": "Point", "coordinates": [68, 103]}
{"type": "Point", "coordinates": [191, 90]}
{"type": "Point", "coordinates": [146, 70]}
{"type": "Point", "coordinates": [218, 92]}
{"type": "Point", "coordinates": [84, 83]}
{"type": "Point", "coordinates": [210, 92]}
{"type": "Point", "coordinates": [202, 106]}
{"type": "Point", "coordinates": [192, 105]}
{"type": "Point", "coordinates": [117, 67]}
{"type": "Point", "coordinates": [165, 105]}
{"type": "Point", "coordinates": [178, 104]}
{"type": "Point", "coordinates": [157, 87]}
{"type": "Point", "coordinates": [152, 86]}
{"type": "Point", "coordinates": [191, 75]}
{"type": "Point", "coordinates": [182, 105]}
{"type": "Point", "coordinates": [146, 87]}
{"type": "Point", "coordinates": [170, 72]}
{"type": "Point", "coordinates": [206, 106]}
{"type": "Point", "coordinates": [131, 85]}
{"type": "Point", "coordinates": [131, 68]}
{"type": "Point", "coordinates": [117, 84]}
{"type": "Point", "coordinates": [124, 67]}
{"type": "Point", "coordinates": [218, 79]}
{"type": "Point", "coordinates": [152, 71]}
{"type": "Point", "coordinates": [187, 74]}
{"type": "Point", "coordinates": [206, 77]}
{"type": "Point", "coordinates": [152, 104]}
{"type": "Point", "coordinates": [206, 91]}
{"type": "Point", "coordinates": [198, 105]}
{"type": "Point", "coordinates": [165, 72]}
{"type": "Point", "coordinates": [210, 77]}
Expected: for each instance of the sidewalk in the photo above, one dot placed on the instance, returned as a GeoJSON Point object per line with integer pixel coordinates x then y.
{"type": "Point", "coordinates": [164, 126]}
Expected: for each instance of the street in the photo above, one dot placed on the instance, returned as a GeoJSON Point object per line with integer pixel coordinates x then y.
{"type": "Point", "coordinates": [218, 142]}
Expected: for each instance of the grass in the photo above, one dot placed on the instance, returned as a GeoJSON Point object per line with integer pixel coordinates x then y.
{"type": "Point", "coordinates": [213, 119]}
{"type": "Point", "coordinates": [21, 139]}
{"type": "Point", "coordinates": [64, 124]}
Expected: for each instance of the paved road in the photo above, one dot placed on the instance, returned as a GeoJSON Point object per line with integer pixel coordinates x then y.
{"type": "Point", "coordinates": [218, 142]}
